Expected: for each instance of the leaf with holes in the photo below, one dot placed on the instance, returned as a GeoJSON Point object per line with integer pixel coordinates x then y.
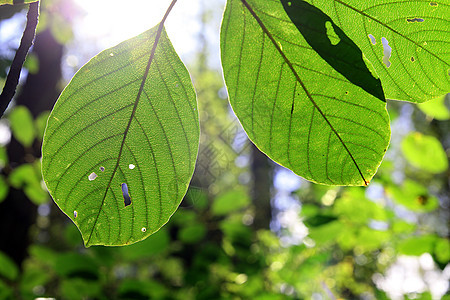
{"type": "Point", "coordinates": [406, 41]}
{"type": "Point", "coordinates": [121, 142]}
{"type": "Point", "coordinates": [293, 105]}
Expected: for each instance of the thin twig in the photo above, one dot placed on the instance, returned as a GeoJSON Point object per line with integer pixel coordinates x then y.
{"type": "Point", "coordinates": [14, 72]}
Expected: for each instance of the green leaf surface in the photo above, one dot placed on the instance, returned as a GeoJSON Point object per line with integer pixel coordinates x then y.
{"type": "Point", "coordinates": [8, 268]}
{"type": "Point", "coordinates": [333, 45]}
{"type": "Point", "coordinates": [414, 196]}
{"type": "Point", "coordinates": [230, 201]}
{"type": "Point", "coordinates": [6, 292]}
{"type": "Point", "coordinates": [442, 250]}
{"type": "Point", "coordinates": [417, 31]}
{"type": "Point", "coordinates": [22, 127]}
{"type": "Point", "coordinates": [436, 108]}
{"type": "Point", "coordinates": [417, 245]}
{"type": "Point", "coordinates": [41, 123]}
{"type": "Point", "coordinates": [192, 233]}
{"type": "Point", "coordinates": [425, 152]}
{"type": "Point", "coordinates": [72, 288]}
{"type": "Point", "coordinates": [28, 177]}
{"type": "Point", "coordinates": [129, 116]}
{"type": "Point", "coordinates": [73, 264]}
{"type": "Point", "coordinates": [356, 208]}
{"type": "Point", "coordinates": [13, 2]}
{"type": "Point", "coordinates": [293, 105]}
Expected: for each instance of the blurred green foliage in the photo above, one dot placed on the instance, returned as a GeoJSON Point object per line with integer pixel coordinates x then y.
{"type": "Point", "coordinates": [210, 250]}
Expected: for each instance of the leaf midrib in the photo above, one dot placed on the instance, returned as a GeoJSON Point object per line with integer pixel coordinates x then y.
{"type": "Point", "coordinates": [136, 102]}
{"type": "Point", "coordinates": [297, 77]}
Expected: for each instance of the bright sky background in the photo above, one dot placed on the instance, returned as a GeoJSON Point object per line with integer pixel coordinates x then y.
{"type": "Point", "coordinates": [109, 22]}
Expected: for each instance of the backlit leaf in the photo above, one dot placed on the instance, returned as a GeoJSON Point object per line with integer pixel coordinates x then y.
{"type": "Point", "coordinates": [417, 245]}
{"type": "Point", "coordinates": [22, 127]}
{"type": "Point", "coordinates": [413, 196]}
{"type": "Point", "coordinates": [425, 152]}
{"type": "Point", "coordinates": [293, 105]}
{"type": "Point", "coordinates": [120, 145]}
{"type": "Point", "coordinates": [442, 250]}
{"type": "Point", "coordinates": [437, 108]}
{"type": "Point", "coordinates": [28, 177]}
{"type": "Point", "coordinates": [333, 45]}
{"type": "Point", "coordinates": [417, 68]}
{"type": "Point", "coordinates": [8, 268]}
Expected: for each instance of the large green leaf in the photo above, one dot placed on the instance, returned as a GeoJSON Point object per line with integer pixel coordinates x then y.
{"type": "Point", "coordinates": [293, 105]}
{"type": "Point", "coordinates": [11, 2]}
{"type": "Point", "coordinates": [121, 142]}
{"type": "Point", "coordinates": [418, 32]}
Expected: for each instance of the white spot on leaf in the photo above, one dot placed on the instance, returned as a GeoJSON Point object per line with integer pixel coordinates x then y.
{"type": "Point", "coordinates": [143, 229]}
{"type": "Point", "coordinates": [92, 176]}
{"type": "Point", "coordinates": [131, 166]}
{"type": "Point", "coordinates": [387, 50]}
{"type": "Point", "coordinates": [75, 213]}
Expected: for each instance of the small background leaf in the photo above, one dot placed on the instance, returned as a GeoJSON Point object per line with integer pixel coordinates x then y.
{"type": "Point", "coordinates": [22, 127]}
{"type": "Point", "coordinates": [28, 177]}
{"type": "Point", "coordinates": [103, 133]}
{"type": "Point", "coordinates": [414, 196]}
{"type": "Point", "coordinates": [437, 108]}
{"type": "Point", "coordinates": [425, 152]}
{"type": "Point", "coordinates": [8, 268]}
{"type": "Point", "coordinates": [230, 201]}
{"type": "Point", "coordinates": [417, 245]}
{"type": "Point", "coordinates": [333, 45]}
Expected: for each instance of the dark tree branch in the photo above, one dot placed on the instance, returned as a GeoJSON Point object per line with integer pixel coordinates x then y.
{"type": "Point", "coordinates": [14, 72]}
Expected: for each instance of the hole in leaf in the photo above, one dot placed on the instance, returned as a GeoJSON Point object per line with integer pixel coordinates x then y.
{"type": "Point", "coordinates": [372, 39]}
{"type": "Point", "coordinates": [412, 59]}
{"type": "Point", "coordinates": [143, 229]}
{"type": "Point", "coordinates": [387, 50]}
{"type": "Point", "coordinates": [75, 214]}
{"type": "Point", "coordinates": [332, 36]}
{"type": "Point", "coordinates": [92, 176]}
{"type": "Point", "coordinates": [413, 20]}
{"type": "Point", "coordinates": [102, 169]}
{"type": "Point", "coordinates": [131, 166]}
{"type": "Point", "coordinates": [433, 4]}
{"type": "Point", "coordinates": [126, 196]}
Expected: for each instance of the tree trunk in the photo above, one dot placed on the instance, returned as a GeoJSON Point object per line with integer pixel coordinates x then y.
{"type": "Point", "coordinates": [262, 183]}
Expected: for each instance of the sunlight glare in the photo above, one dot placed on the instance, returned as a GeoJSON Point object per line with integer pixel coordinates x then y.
{"type": "Point", "coordinates": [109, 22]}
